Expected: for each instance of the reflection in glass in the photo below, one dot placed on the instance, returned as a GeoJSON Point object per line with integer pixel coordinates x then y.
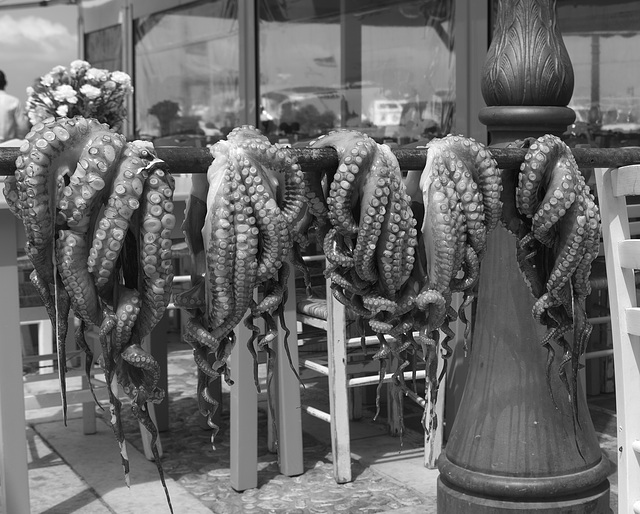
{"type": "Point", "coordinates": [186, 73]}
{"type": "Point", "coordinates": [383, 66]}
{"type": "Point", "coordinates": [103, 48]}
{"type": "Point", "coordinates": [602, 40]}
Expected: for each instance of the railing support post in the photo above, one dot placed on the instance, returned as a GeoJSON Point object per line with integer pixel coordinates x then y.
{"type": "Point", "coordinates": [514, 448]}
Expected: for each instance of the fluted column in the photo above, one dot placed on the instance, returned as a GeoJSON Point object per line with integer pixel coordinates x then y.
{"type": "Point", "coordinates": [514, 448]}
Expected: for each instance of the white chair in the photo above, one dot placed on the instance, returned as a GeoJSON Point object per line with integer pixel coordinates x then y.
{"type": "Point", "coordinates": [597, 377]}
{"type": "Point", "coordinates": [622, 256]}
{"type": "Point", "coordinates": [345, 377]}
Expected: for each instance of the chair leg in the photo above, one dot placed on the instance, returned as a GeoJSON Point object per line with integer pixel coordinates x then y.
{"type": "Point", "coordinates": [338, 397]}
{"type": "Point", "coordinates": [243, 410]}
{"type": "Point", "coordinates": [288, 391]}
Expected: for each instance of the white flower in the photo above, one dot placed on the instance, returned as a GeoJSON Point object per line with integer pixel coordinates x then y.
{"type": "Point", "coordinates": [58, 69]}
{"type": "Point", "coordinates": [78, 65]}
{"type": "Point", "coordinates": [91, 92]}
{"type": "Point", "coordinates": [82, 90]}
{"type": "Point", "coordinates": [65, 93]}
{"type": "Point", "coordinates": [46, 80]}
{"type": "Point", "coordinates": [121, 78]}
{"type": "Point", "coordinates": [97, 74]}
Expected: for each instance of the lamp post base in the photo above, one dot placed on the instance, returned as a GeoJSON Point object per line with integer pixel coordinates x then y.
{"type": "Point", "coordinates": [453, 500]}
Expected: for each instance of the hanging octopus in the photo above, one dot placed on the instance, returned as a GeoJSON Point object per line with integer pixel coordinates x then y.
{"type": "Point", "coordinates": [461, 187]}
{"type": "Point", "coordinates": [98, 216]}
{"type": "Point", "coordinates": [238, 227]}
{"type": "Point", "coordinates": [370, 239]}
{"type": "Point", "coordinates": [558, 241]}
{"type": "Point", "coordinates": [379, 266]}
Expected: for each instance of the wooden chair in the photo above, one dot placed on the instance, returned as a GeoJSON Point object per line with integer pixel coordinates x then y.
{"type": "Point", "coordinates": [596, 376]}
{"type": "Point", "coordinates": [622, 255]}
{"type": "Point", "coordinates": [332, 317]}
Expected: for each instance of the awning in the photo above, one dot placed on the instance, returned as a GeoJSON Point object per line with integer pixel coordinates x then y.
{"type": "Point", "coordinates": [23, 4]}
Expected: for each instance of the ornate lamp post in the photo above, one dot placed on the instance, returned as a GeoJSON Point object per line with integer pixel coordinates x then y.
{"type": "Point", "coordinates": [514, 448]}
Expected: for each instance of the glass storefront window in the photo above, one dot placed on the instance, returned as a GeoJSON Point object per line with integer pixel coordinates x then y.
{"type": "Point", "coordinates": [384, 67]}
{"type": "Point", "coordinates": [103, 48]}
{"type": "Point", "coordinates": [186, 73]}
{"type": "Point", "coordinates": [602, 39]}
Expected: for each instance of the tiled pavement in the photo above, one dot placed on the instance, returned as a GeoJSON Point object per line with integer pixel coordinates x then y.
{"type": "Point", "coordinates": [70, 472]}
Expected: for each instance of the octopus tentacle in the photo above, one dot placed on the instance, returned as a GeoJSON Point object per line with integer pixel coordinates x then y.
{"type": "Point", "coordinates": [198, 333]}
{"type": "Point", "coordinates": [334, 250]}
{"type": "Point", "coordinates": [123, 201]}
{"type": "Point", "coordinates": [219, 239]}
{"type": "Point", "coordinates": [439, 235]}
{"type": "Point", "coordinates": [380, 327]}
{"type": "Point", "coordinates": [156, 260]}
{"type": "Point", "coordinates": [556, 256]}
{"type": "Point", "coordinates": [49, 153]}
{"type": "Point", "coordinates": [376, 303]}
{"type": "Point", "coordinates": [355, 152]}
{"type": "Point", "coordinates": [245, 256]}
{"type": "Point", "coordinates": [11, 195]}
{"type": "Point", "coordinates": [192, 299]}
{"type": "Point", "coordinates": [270, 302]}
{"type": "Point", "coordinates": [540, 153]}
{"type": "Point", "coordinates": [90, 180]}
{"type": "Point", "coordinates": [141, 413]}
{"type": "Point", "coordinates": [207, 405]}
{"type": "Point", "coordinates": [81, 342]}
{"type": "Point", "coordinates": [591, 244]}
{"type": "Point", "coordinates": [200, 357]}
{"type": "Point", "coordinates": [270, 222]}
{"type": "Point", "coordinates": [484, 170]}
{"type": "Point", "coordinates": [138, 373]}
{"type": "Point", "coordinates": [373, 211]}
{"type": "Point", "coordinates": [294, 187]}
{"type": "Point", "coordinates": [316, 196]}
{"type": "Point", "coordinates": [395, 256]}
{"type": "Point", "coordinates": [71, 254]}
{"type": "Point", "coordinates": [471, 202]}
{"type": "Point", "coordinates": [345, 283]}
{"type": "Point", "coordinates": [471, 268]}
{"type": "Point", "coordinates": [126, 315]}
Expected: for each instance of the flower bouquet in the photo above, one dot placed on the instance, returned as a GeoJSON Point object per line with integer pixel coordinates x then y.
{"type": "Point", "coordinates": [81, 90]}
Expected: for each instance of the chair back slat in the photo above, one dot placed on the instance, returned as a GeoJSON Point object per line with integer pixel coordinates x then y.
{"type": "Point", "coordinates": [629, 252]}
{"type": "Point", "coordinates": [634, 228]}
{"type": "Point", "coordinates": [633, 211]}
{"type": "Point", "coordinates": [626, 181]}
{"type": "Point", "coordinates": [633, 320]}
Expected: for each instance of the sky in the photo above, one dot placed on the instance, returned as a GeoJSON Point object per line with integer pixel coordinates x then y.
{"type": "Point", "coordinates": [34, 40]}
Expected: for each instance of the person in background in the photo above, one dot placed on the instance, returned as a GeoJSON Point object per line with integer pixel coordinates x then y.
{"type": "Point", "coordinates": [13, 121]}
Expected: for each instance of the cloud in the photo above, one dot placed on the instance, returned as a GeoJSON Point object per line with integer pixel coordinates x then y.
{"type": "Point", "coordinates": [34, 37]}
